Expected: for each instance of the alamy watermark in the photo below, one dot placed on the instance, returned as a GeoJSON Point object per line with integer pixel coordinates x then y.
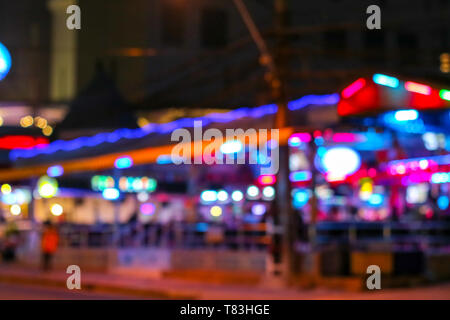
{"type": "Point", "coordinates": [374, 20]}
{"type": "Point", "coordinates": [74, 280]}
{"type": "Point", "coordinates": [74, 20]}
{"type": "Point", "coordinates": [263, 147]}
{"type": "Point", "coordinates": [374, 280]}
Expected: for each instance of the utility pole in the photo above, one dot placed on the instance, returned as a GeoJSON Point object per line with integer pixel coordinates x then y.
{"type": "Point", "coordinates": [285, 216]}
{"type": "Point", "coordinates": [285, 226]}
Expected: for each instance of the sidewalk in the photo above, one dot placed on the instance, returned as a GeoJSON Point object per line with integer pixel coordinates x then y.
{"type": "Point", "coordinates": [180, 289]}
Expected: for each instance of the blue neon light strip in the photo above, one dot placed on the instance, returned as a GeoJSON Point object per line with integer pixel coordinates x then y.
{"type": "Point", "coordinates": [327, 99]}
{"type": "Point", "coordinates": [165, 128]}
{"type": "Point", "coordinates": [300, 176]}
{"type": "Point", "coordinates": [385, 80]}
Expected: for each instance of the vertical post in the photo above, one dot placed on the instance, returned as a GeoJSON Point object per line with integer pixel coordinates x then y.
{"type": "Point", "coordinates": [34, 231]}
{"type": "Point", "coordinates": [286, 219]}
{"type": "Point", "coordinates": [313, 201]}
{"type": "Point", "coordinates": [116, 232]}
{"type": "Point", "coordinates": [31, 206]}
{"type": "Point", "coordinates": [283, 220]}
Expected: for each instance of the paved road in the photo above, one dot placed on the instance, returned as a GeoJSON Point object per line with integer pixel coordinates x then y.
{"type": "Point", "coordinates": [24, 292]}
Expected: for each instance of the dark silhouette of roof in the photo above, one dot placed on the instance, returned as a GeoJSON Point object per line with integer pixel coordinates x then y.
{"type": "Point", "coordinates": [99, 106]}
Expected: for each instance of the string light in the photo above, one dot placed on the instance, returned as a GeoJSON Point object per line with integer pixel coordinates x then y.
{"type": "Point", "coordinates": [47, 131]}
{"type": "Point", "coordinates": [26, 121]}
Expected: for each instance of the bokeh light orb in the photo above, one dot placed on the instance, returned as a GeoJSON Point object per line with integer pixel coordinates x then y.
{"type": "Point", "coordinates": [143, 196]}
{"type": "Point", "coordinates": [147, 209]}
{"type": "Point", "coordinates": [47, 187]}
{"type": "Point", "coordinates": [5, 61]}
{"type": "Point", "coordinates": [259, 209]}
{"type": "Point", "coordinates": [237, 195]}
{"type": "Point", "coordinates": [15, 209]}
{"type": "Point", "coordinates": [6, 188]}
{"type": "Point", "coordinates": [222, 195]}
{"type": "Point", "coordinates": [252, 192]}
{"type": "Point", "coordinates": [216, 211]}
{"type": "Point", "coordinates": [111, 194]}
{"type": "Point", "coordinates": [269, 193]}
{"type": "Point", "coordinates": [340, 161]}
{"type": "Point", "coordinates": [56, 210]}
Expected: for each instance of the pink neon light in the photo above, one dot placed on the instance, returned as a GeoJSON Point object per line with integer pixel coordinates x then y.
{"type": "Point", "coordinates": [372, 172]}
{"type": "Point", "coordinates": [418, 167]}
{"type": "Point", "coordinates": [301, 137]}
{"type": "Point", "coordinates": [418, 177]}
{"type": "Point", "coordinates": [418, 88]}
{"type": "Point", "coordinates": [353, 88]}
{"type": "Point", "coordinates": [401, 169]}
{"type": "Point", "coordinates": [266, 180]}
{"type": "Point", "coordinates": [345, 137]}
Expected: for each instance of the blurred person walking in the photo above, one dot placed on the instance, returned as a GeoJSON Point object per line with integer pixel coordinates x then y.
{"type": "Point", "coordinates": [49, 245]}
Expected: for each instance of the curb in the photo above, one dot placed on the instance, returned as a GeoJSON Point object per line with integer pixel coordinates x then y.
{"type": "Point", "coordinates": [94, 287]}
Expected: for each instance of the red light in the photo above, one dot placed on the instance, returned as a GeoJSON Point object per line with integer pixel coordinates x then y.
{"type": "Point", "coordinates": [266, 180]}
{"type": "Point", "coordinates": [353, 88]}
{"type": "Point", "coordinates": [21, 142]}
{"type": "Point", "coordinates": [418, 88]}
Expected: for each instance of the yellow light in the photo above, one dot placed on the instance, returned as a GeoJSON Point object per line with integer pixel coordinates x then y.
{"type": "Point", "coordinates": [47, 187]}
{"type": "Point", "coordinates": [15, 209]}
{"type": "Point", "coordinates": [366, 191]}
{"type": "Point", "coordinates": [1, 121]}
{"type": "Point", "coordinates": [445, 68]}
{"type": "Point", "coordinates": [367, 187]}
{"type": "Point", "coordinates": [56, 209]}
{"type": "Point", "coordinates": [445, 62]}
{"type": "Point", "coordinates": [26, 121]}
{"type": "Point", "coordinates": [216, 211]}
{"type": "Point", "coordinates": [47, 131]}
{"type": "Point", "coordinates": [445, 57]}
{"type": "Point", "coordinates": [6, 188]}
{"type": "Point", "coordinates": [40, 122]}
{"type": "Point", "coordinates": [142, 122]}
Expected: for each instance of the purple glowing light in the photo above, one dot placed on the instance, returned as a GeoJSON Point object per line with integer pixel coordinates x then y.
{"type": "Point", "coordinates": [147, 209]}
{"type": "Point", "coordinates": [165, 128]}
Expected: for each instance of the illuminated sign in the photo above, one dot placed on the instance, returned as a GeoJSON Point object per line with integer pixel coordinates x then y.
{"type": "Point", "coordinates": [382, 92]}
{"type": "Point", "coordinates": [111, 194]}
{"type": "Point", "coordinates": [123, 163]}
{"type": "Point", "coordinates": [125, 184]}
{"type": "Point", "coordinates": [339, 161]}
{"type": "Point", "coordinates": [5, 61]}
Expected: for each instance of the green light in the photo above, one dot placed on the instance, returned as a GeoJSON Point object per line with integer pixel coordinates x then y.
{"type": "Point", "coordinates": [151, 185]}
{"type": "Point", "coordinates": [102, 183]}
{"type": "Point", "coordinates": [126, 184]}
{"type": "Point", "coordinates": [95, 183]}
{"type": "Point", "coordinates": [445, 94]}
